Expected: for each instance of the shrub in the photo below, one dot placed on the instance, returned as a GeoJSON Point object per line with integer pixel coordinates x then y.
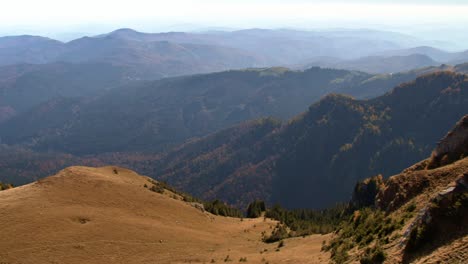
{"type": "Point", "coordinates": [280, 232]}
{"type": "Point", "coordinates": [281, 244]}
{"type": "Point", "coordinates": [5, 186]}
{"type": "Point", "coordinates": [417, 237]}
{"type": "Point", "coordinates": [373, 256]}
{"type": "Point", "coordinates": [361, 229]}
{"type": "Point", "coordinates": [157, 188]}
{"type": "Point", "coordinates": [410, 208]}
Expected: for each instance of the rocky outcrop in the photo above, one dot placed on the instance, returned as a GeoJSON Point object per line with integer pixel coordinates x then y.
{"type": "Point", "coordinates": [401, 188]}
{"type": "Point", "coordinates": [453, 146]}
{"type": "Point", "coordinates": [365, 192]}
{"type": "Point", "coordinates": [198, 206]}
{"type": "Point", "coordinates": [442, 220]}
{"type": "Point", "coordinates": [428, 203]}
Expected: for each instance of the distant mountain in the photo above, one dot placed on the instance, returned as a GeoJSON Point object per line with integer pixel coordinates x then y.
{"type": "Point", "coordinates": [377, 64]}
{"type": "Point", "coordinates": [461, 58]}
{"type": "Point", "coordinates": [28, 49]}
{"type": "Point", "coordinates": [435, 54]}
{"type": "Point", "coordinates": [23, 86]}
{"type": "Point", "coordinates": [312, 160]}
{"type": "Point", "coordinates": [158, 55]}
{"type": "Point", "coordinates": [19, 165]}
{"type": "Point", "coordinates": [462, 68]}
{"type": "Point", "coordinates": [151, 60]}
{"type": "Point", "coordinates": [157, 59]}
{"type": "Point", "coordinates": [178, 53]}
{"type": "Point", "coordinates": [390, 61]}
{"type": "Point", "coordinates": [154, 116]}
{"type": "Point", "coordinates": [283, 46]}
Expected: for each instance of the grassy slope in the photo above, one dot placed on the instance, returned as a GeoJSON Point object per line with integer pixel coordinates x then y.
{"type": "Point", "coordinates": [93, 215]}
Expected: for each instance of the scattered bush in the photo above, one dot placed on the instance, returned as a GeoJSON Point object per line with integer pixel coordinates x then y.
{"type": "Point", "coordinates": [5, 186]}
{"type": "Point", "coordinates": [361, 230]}
{"type": "Point", "coordinates": [375, 255]}
{"type": "Point", "coordinates": [410, 208]}
{"type": "Point", "coordinates": [280, 232]}
{"type": "Point", "coordinates": [281, 244]}
{"type": "Point", "coordinates": [157, 188]}
{"type": "Point", "coordinates": [160, 186]}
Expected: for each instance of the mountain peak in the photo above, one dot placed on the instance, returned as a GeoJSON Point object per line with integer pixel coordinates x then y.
{"type": "Point", "coordinates": [122, 33]}
{"type": "Point", "coordinates": [124, 30]}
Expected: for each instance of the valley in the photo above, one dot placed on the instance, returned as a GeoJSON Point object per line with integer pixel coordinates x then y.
{"type": "Point", "coordinates": [230, 131]}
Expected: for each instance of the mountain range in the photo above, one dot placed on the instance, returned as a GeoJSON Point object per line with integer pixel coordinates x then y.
{"type": "Point", "coordinates": [434, 53]}
{"type": "Point", "coordinates": [377, 64]}
{"type": "Point", "coordinates": [309, 161]}
{"type": "Point", "coordinates": [390, 61]}
{"type": "Point", "coordinates": [90, 118]}
{"type": "Point", "coordinates": [158, 55]}
{"type": "Point", "coordinates": [312, 160]}
{"type": "Point", "coordinates": [104, 99]}
{"type": "Point", "coordinates": [111, 212]}
{"type": "Point", "coordinates": [146, 60]}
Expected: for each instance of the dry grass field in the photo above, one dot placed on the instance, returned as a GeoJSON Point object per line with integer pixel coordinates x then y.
{"type": "Point", "coordinates": [106, 215]}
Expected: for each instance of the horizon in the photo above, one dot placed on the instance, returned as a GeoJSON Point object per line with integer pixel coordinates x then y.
{"type": "Point", "coordinates": [427, 20]}
{"type": "Point", "coordinates": [243, 131]}
{"type": "Point", "coordinates": [66, 37]}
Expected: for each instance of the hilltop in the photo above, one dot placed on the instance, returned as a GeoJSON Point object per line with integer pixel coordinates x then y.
{"type": "Point", "coordinates": [107, 215]}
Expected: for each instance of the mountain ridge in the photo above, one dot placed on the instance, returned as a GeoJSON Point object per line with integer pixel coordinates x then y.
{"type": "Point", "coordinates": [362, 125]}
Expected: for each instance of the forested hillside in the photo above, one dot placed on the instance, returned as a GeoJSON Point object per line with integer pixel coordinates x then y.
{"type": "Point", "coordinates": [155, 116]}
{"type": "Point", "coordinates": [309, 161]}
{"type": "Point", "coordinates": [312, 160]}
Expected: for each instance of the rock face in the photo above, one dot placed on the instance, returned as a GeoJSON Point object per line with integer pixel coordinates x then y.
{"type": "Point", "coordinates": [365, 192]}
{"type": "Point", "coordinates": [416, 216]}
{"type": "Point", "coordinates": [441, 221]}
{"type": "Point", "coordinates": [429, 173]}
{"type": "Point", "coordinates": [453, 146]}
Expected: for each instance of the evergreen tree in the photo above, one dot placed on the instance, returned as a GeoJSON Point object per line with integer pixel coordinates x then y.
{"type": "Point", "coordinates": [255, 209]}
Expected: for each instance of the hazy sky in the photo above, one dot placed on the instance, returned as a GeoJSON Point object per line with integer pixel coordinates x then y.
{"type": "Point", "coordinates": [157, 15]}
